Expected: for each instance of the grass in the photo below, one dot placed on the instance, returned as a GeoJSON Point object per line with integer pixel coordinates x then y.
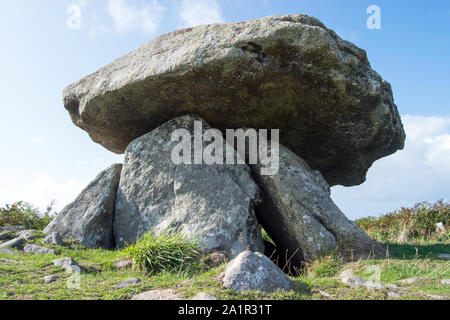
{"type": "Point", "coordinates": [21, 277]}
{"type": "Point", "coordinates": [21, 274]}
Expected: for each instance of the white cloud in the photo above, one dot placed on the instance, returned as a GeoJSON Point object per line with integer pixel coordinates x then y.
{"type": "Point", "coordinates": [421, 172]}
{"type": "Point", "coordinates": [136, 15]}
{"type": "Point", "coordinates": [74, 17]}
{"type": "Point", "coordinates": [42, 190]}
{"type": "Point", "coordinates": [200, 12]}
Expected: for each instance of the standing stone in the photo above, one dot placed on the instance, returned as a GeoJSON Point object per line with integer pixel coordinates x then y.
{"type": "Point", "coordinates": [89, 219]}
{"type": "Point", "coordinates": [299, 214]}
{"type": "Point", "coordinates": [213, 202]}
{"type": "Point", "coordinates": [286, 72]}
{"type": "Point", "coordinates": [54, 238]}
{"type": "Point", "coordinates": [252, 271]}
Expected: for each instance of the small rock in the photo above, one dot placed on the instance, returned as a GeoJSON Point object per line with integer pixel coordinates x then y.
{"type": "Point", "coordinates": [411, 280]}
{"type": "Point", "coordinates": [393, 295]}
{"type": "Point", "coordinates": [6, 251]}
{"type": "Point", "coordinates": [50, 279]}
{"type": "Point", "coordinates": [391, 286]}
{"type": "Point", "coordinates": [444, 256]}
{"type": "Point", "coordinates": [204, 296]}
{"type": "Point", "coordinates": [440, 227]}
{"type": "Point", "coordinates": [16, 243]}
{"type": "Point", "coordinates": [13, 229]}
{"type": "Point", "coordinates": [254, 271]}
{"type": "Point", "coordinates": [5, 235]}
{"type": "Point", "coordinates": [54, 238]}
{"type": "Point", "coordinates": [27, 234]}
{"type": "Point", "coordinates": [128, 283]}
{"type": "Point", "coordinates": [7, 260]}
{"type": "Point", "coordinates": [34, 249]}
{"type": "Point", "coordinates": [435, 297]}
{"type": "Point", "coordinates": [69, 265]}
{"type": "Point", "coordinates": [166, 294]}
{"type": "Point", "coordinates": [124, 263]}
{"type": "Point", "coordinates": [445, 281]}
{"type": "Point", "coordinates": [349, 278]}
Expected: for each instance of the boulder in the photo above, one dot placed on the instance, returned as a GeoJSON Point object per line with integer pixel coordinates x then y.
{"type": "Point", "coordinates": [252, 271]}
{"type": "Point", "coordinates": [68, 264]}
{"type": "Point", "coordinates": [213, 203]}
{"type": "Point", "coordinates": [444, 256]}
{"type": "Point", "coordinates": [89, 219]}
{"type": "Point", "coordinates": [280, 72]}
{"type": "Point", "coordinates": [34, 249]}
{"type": "Point", "coordinates": [27, 234]}
{"type": "Point", "coordinates": [16, 243]}
{"type": "Point", "coordinates": [299, 215]}
{"type": "Point", "coordinates": [12, 229]}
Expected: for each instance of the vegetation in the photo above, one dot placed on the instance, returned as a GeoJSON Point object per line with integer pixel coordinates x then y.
{"type": "Point", "coordinates": [24, 214]}
{"type": "Point", "coordinates": [172, 262]}
{"type": "Point", "coordinates": [170, 252]}
{"type": "Point", "coordinates": [410, 224]}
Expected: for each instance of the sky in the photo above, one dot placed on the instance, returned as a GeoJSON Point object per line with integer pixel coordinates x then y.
{"type": "Point", "coordinates": [49, 44]}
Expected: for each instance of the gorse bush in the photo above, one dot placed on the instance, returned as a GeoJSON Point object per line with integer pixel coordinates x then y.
{"type": "Point", "coordinates": [172, 252]}
{"type": "Point", "coordinates": [24, 214]}
{"type": "Point", "coordinates": [417, 223]}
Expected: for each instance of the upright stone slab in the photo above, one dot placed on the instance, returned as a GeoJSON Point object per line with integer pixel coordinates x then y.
{"type": "Point", "coordinates": [300, 216]}
{"type": "Point", "coordinates": [214, 202]}
{"type": "Point", "coordinates": [89, 219]}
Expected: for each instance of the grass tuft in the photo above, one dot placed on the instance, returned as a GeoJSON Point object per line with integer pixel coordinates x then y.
{"type": "Point", "coordinates": [171, 252]}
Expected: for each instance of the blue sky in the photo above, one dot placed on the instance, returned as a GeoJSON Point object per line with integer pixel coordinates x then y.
{"type": "Point", "coordinates": [44, 156]}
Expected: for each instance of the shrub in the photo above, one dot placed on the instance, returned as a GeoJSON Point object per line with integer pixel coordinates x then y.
{"type": "Point", "coordinates": [24, 214]}
{"type": "Point", "coordinates": [170, 252]}
{"type": "Point", "coordinates": [407, 224]}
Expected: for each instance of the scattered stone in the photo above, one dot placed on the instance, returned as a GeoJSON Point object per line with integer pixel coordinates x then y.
{"type": "Point", "coordinates": [128, 283]}
{"type": "Point", "coordinates": [444, 256]}
{"type": "Point", "coordinates": [391, 286]}
{"type": "Point", "coordinates": [16, 243]}
{"type": "Point", "coordinates": [166, 294]}
{"type": "Point", "coordinates": [445, 281]}
{"type": "Point", "coordinates": [6, 251]}
{"type": "Point", "coordinates": [12, 229]}
{"type": "Point", "coordinates": [34, 249]}
{"type": "Point", "coordinates": [217, 258]}
{"type": "Point", "coordinates": [251, 271]}
{"type": "Point", "coordinates": [435, 297]}
{"type": "Point", "coordinates": [349, 278]}
{"type": "Point", "coordinates": [27, 235]}
{"type": "Point", "coordinates": [213, 203]}
{"type": "Point", "coordinates": [89, 219]}
{"type": "Point", "coordinates": [5, 235]}
{"type": "Point", "coordinates": [440, 227]}
{"type": "Point", "coordinates": [124, 263]}
{"type": "Point", "coordinates": [50, 279]}
{"type": "Point", "coordinates": [54, 238]}
{"type": "Point", "coordinates": [411, 280]}
{"type": "Point", "coordinates": [305, 223]}
{"type": "Point", "coordinates": [287, 72]}
{"type": "Point", "coordinates": [69, 265]}
{"type": "Point", "coordinates": [393, 295]}
{"type": "Point", "coordinates": [326, 295]}
{"type": "Point", "coordinates": [204, 296]}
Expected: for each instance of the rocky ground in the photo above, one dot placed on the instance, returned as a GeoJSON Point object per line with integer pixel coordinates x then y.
{"type": "Point", "coordinates": [413, 271]}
